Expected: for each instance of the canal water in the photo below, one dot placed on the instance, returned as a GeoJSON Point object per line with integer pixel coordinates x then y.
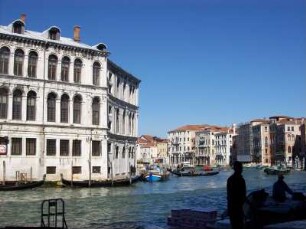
{"type": "Point", "coordinates": [143, 205]}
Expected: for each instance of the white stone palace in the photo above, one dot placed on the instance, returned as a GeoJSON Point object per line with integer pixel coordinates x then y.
{"type": "Point", "coordinates": [65, 108]}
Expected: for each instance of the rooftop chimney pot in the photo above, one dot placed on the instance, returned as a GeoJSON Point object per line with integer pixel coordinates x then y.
{"type": "Point", "coordinates": [23, 17]}
{"type": "Point", "coordinates": [76, 33]}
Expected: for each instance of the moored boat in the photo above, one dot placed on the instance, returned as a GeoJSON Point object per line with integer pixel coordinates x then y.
{"type": "Point", "coordinates": [102, 183]}
{"type": "Point", "coordinates": [276, 170]}
{"type": "Point", "coordinates": [17, 185]}
{"type": "Point", "coordinates": [191, 173]}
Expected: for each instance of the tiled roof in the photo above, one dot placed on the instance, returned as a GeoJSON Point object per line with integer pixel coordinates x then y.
{"type": "Point", "coordinates": [190, 127]}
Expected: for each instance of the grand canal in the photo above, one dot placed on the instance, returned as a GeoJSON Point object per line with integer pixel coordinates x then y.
{"type": "Point", "coordinates": [143, 205]}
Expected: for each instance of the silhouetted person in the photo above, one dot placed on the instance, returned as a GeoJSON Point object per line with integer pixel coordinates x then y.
{"type": "Point", "coordinates": [280, 188]}
{"type": "Point", "coordinates": [236, 195]}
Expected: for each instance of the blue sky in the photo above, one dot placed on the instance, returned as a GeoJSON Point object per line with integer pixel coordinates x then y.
{"type": "Point", "coordinates": [212, 62]}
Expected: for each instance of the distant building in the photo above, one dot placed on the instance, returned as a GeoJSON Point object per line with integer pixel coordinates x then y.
{"type": "Point", "coordinates": [152, 150]}
{"type": "Point", "coordinates": [64, 107]}
{"type": "Point", "coordinates": [270, 141]}
{"type": "Point", "coordinates": [182, 144]}
{"type": "Point", "coordinates": [213, 145]}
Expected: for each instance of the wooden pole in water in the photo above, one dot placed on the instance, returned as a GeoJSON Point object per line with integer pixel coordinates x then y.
{"type": "Point", "coordinates": [3, 172]}
{"type": "Point", "coordinates": [71, 182]}
{"type": "Point", "coordinates": [31, 173]}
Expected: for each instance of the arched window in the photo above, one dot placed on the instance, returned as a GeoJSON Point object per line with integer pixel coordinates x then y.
{"type": "Point", "coordinates": [77, 70]}
{"type": "Point", "coordinates": [117, 120]}
{"type": "Point", "coordinates": [65, 69]}
{"type": "Point", "coordinates": [17, 104]}
{"type": "Point", "coordinates": [51, 107]}
{"type": "Point", "coordinates": [4, 60]}
{"type": "Point", "coordinates": [52, 67]}
{"type": "Point", "coordinates": [77, 109]}
{"type": "Point", "coordinates": [54, 33]}
{"type": "Point", "coordinates": [64, 108]}
{"type": "Point", "coordinates": [96, 111]}
{"type": "Point", "coordinates": [3, 102]}
{"type": "Point", "coordinates": [31, 106]}
{"type": "Point", "coordinates": [130, 124]}
{"type": "Point", "coordinates": [289, 149]}
{"type": "Point", "coordinates": [32, 66]}
{"type": "Point", "coordinates": [18, 62]}
{"type": "Point", "coordinates": [96, 73]}
{"type": "Point", "coordinates": [123, 122]}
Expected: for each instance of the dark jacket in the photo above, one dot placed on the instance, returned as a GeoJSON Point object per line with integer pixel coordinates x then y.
{"type": "Point", "coordinates": [279, 190]}
{"type": "Point", "coordinates": [236, 192]}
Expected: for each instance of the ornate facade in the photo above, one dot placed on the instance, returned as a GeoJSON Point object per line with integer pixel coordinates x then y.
{"type": "Point", "coordinates": [64, 107]}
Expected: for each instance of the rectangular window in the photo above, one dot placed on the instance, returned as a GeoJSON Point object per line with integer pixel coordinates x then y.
{"type": "Point", "coordinates": [51, 147]}
{"type": "Point", "coordinates": [76, 148]}
{"type": "Point", "coordinates": [16, 146]}
{"type": "Point", "coordinates": [64, 148]}
{"type": "Point", "coordinates": [96, 169]}
{"type": "Point", "coordinates": [76, 170]}
{"type": "Point", "coordinates": [96, 148]}
{"type": "Point", "coordinates": [51, 170]}
{"type": "Point", "coordinates": [31, 108]}
{"type": "Point", "coordinates": [31, 146]}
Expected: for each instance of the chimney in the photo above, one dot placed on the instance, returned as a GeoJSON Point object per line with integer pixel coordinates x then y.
{"type": "Point", "coordinates": [23, 17]}
{"type": "Point", "coordinates": [76, 33]}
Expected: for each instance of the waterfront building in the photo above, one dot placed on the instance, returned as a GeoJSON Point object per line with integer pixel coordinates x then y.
{"type": "Point", "coordinates": [270, 141]}
{"type": "Point", "coordinates": [147, 149]}
{"type": "Point", "coordinates": [287, 144]}
{"type": "Point", "coordinates": [243, 143]}
{"type": "Point", "coordinates": [152, 150]}
{"type": "Point", "coordinates": [182, 144]}
{"type": "Point", "coordinates": [162, 151]}
{"type": "Point", "coordinates": [261, 142]}
{"type": "Point", "coordinates": [65, 108]}
{"type": "Point", "coordinates": [213, 145]}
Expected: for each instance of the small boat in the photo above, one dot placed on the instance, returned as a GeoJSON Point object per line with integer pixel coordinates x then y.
{"type": "Point", "coordinates": [192, 173]}
{"type": "Point", "coordinates": [17, 185]}
{"type": "Point", "coordinates": [155, 173]}
{"type": "Point", "coordinates": [153, 177]}
{"type": "Point", "coordinates": [276, 170]}
{"type": "Point", "coordinates": [99, 184]}
{"type": "Point", "coordinates": [261, 209]}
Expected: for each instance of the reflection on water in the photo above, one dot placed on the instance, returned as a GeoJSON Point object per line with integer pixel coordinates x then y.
{"type": "Point", "coordinates": [142, 205]}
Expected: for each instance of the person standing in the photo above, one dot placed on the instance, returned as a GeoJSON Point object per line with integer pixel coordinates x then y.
{"type": "Point", "coordinates": [236, 195]}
